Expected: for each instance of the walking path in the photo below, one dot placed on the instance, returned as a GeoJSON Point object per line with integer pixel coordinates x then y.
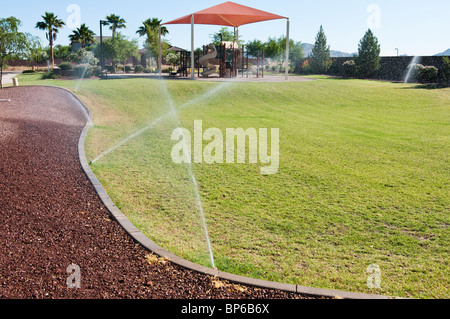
{"type": "Point", "coordinates": [8, 77]}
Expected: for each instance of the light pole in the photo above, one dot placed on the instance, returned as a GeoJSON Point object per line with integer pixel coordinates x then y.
{"type": "Point", "coordinates": [102, 59]}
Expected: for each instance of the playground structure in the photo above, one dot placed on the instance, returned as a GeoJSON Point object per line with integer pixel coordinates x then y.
{"type": "Point", "coordinates": [224, 61]}
{"type": "Point", "coordinates": [226, 14]}
{"type": "Point", "coordinates": [210, 60]}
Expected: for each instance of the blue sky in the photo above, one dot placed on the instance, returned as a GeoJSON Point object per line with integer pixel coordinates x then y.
{"type": "Point", "coordinates": [414, 27]}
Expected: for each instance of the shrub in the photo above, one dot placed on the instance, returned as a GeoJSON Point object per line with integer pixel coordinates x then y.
{"type": "Point", "coordinates": [86, 71]}
{"type": "Point", "coordinates": [166, 70]}
{"type": "Point", "coordinates": [66, 66]}
{"type": "Point", "coordinates": [127, 69]}
{"type": "Point", "coordinates": [138, 69]}
{"type": "Point", "coordinates": [427, 74]}
{"type": "Point", "coordinates": [335, 68]}
{"type": "Point", "coordinates": [304, 68]}
{"type": "Point", "coordinates": [424, 74]}
{"type": "Point", "coordinates": [414, 69]}
{"type": "Point", "coordinates": [81, 70]}
{"type": "Point", "coordinates": [83, 57]}
{"type": "Point", "coordinates": [350, 69]}
{"type": "Point", "coordinates": [147, 70]}
{"type": "Point", "coordinates": [50, 76]}
{"type": "Point", "coordinates": [96, 71]}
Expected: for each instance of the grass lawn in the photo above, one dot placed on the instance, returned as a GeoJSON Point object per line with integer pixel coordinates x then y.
{"type": "Point", "coordinates": [363, 178]}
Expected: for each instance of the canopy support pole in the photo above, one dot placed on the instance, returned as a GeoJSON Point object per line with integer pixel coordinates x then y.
{"type": "Point", "coordinates": [287, 48]}
{"type": "Point", "coordinates": [159, 54]}
{"type": "Point", "coordinates": [192, 48]}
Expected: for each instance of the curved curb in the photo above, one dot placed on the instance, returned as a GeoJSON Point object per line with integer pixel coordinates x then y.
{"type": "Point", "coordinates": [143, 240]}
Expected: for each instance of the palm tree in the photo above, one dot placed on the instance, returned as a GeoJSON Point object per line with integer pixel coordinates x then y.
{"type": "Point", "coordinates": [115, 22]}
{"type": "Point", "coordinates": [150, 28]}
{"type": "Point", "coordinates": [83, 35]}
{"type": "Point", "coordinates": [51, 25]}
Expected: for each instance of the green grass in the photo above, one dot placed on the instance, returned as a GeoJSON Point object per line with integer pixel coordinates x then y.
{"type": "Point", "coordinates": [363, 178]}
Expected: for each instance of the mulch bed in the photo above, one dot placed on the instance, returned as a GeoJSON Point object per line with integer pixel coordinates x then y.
{"type": "Point", "coordinates": [51, 217]}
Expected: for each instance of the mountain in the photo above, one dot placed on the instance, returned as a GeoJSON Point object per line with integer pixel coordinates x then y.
{"type": "Point", "coordinates": [447, 52]}
{"type": "Point", "coordinates": [307, 49]}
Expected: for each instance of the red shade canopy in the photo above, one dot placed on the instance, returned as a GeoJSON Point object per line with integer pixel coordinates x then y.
{"type": "Point", "coordinates": [227, 14]}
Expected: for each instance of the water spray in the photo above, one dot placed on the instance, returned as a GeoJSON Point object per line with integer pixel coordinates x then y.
{"type": "Point", "coordinates": [193, 180]}
{"type": "Point", "coordinates": [411, 66]}
{"type": "Point", "coordinates": [81, 79]}
{"type": "Point", "coordinates": [87, 61]}
{"type": "Point", "coordinates": [113, 148]}
{"type": "Point", "coordinates": [129, 138]}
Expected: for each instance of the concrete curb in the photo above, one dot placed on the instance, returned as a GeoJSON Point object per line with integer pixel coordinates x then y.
{"type": "Point", "coordinates": [143, 240]}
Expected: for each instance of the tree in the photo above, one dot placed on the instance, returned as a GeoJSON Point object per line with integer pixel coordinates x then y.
{"type": "Point", "coordinates": [173, 59]}
{"type": "Point", "coordinates": [83, 35]}
{"type": "Point", "coordinates": [62, 51]}
{"type": "Point", "coordinates": [152, 51]}
{"type": "Point", "coordinates": [51, 25]}
{"type": "Point", "coordinates": [273, 49]}
{"type": "Point", "coordinates": [368, 60]}
{"type": "Point", "coordinates": [255, 46]}
{"type": "Point", "coordinates": [150, 29]}
{"type": "Point", "coordinates": [38, 54]}
{"type": "Point", "coordinates": [118, 49]}
{"type": "Point", "coordinates": [320, 58]}
{"type": "Point", "coordinates": [224, 34]}
{"type": "Point", "coordinates": [115, 22]}
{"type": "Point", "coordinates": [12, 42]}
{"type": "Point", "coordinates": [296, 55]}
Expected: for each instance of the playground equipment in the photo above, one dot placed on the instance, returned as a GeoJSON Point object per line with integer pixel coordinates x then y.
{"type": "Point", "coordinates": [227, 14]}
{"type": "Point", "coordinates": [225, 60]}
{"type": "Point", "coordinates": [209, 61]}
